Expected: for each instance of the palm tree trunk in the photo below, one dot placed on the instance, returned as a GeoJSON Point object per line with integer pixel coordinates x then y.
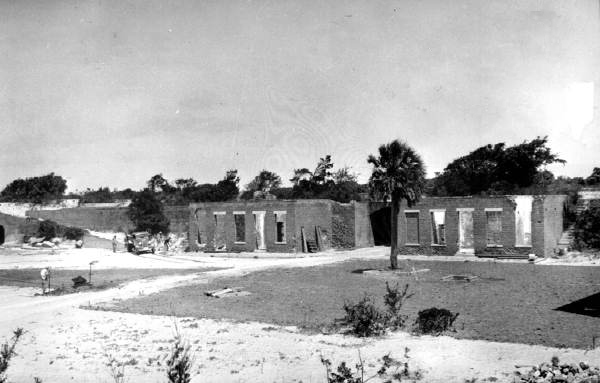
{"type": "Point", "coordinates": [394, 233]}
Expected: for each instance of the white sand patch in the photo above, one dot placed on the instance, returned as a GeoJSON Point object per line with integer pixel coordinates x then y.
{"type": "Point", "coordinates": [573, 258]}
{"type": "Point", "coordinates": [64, 342]}
{"type": "Point", "coordinates": [15, 209]}
{"type": "Point", "coordinates": [108, 235]}
{"type": "Point", "coordinates": [75, 344]}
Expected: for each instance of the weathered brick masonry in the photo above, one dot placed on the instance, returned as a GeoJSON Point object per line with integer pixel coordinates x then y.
{"type": "Point", "coordinates": [546, 225]}
{"type": "Point", "coordinates": [15, 229]}
{"type": "Point", "coordinates": [337, 222]}
{"type": "Point", "coordinates": [109, 219]}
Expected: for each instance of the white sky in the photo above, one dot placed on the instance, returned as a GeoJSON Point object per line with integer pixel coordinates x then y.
{"type": "Point", "coordinates": [108, 93]}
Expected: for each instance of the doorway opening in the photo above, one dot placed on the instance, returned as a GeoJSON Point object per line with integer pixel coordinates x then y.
{"type": "Point", "coordinates": [259, 229]}
{"type": "Point", "coordinates": [220, 236]}
{"type": "Point", "coordinates": [466, 240]}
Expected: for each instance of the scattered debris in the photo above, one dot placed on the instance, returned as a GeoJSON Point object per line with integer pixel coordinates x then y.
{"type": "Point", "coordinates": [227, 292]}
{"type": "Point", "coordinates": [397, 272]}
{"type": "Point", "coordinates": [555, 372]}
{"type": "Point", "coordinates": [463, 278]}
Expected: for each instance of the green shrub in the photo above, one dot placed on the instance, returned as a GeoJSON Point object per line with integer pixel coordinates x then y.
{"type": "Point", "coordinates": [7, 351]}
{"type": "Point", "coordinates": [586, 233]}
{"type": "Point", "coordinates": [365, 318]}
{"type": "Point", "coordinates": [435, 321]}
{"type": "Point", "coordinates": [48, 229]}
{"type": "Point", "coordinates": [391, 370]}
{"type": "Point", "coordinates": [146, 212]}
{"type": "Point", "coordinates": [179, 364]}
{"type": "Point", "coordinates": [73, 233]}
{"type": "Point", "coordinates": [393, 300]}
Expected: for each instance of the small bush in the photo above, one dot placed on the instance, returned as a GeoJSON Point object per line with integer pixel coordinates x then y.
{"type": "Point", "coordinates": [435, 321]}
{"type": "Point", "coordinates": [73, 233]}
{"type": "Point", "coordinates": [179, 364]}
{"type": "Point", "coordinates": [391, 370]}
{"type": "Point", "coordinates": [117, 369]}
{"type": "Point", "coordinates": [48, 229]}
{"type": "Point", "coordinates": [7, 351]}
{"type": "Point", "coordinates": [365, 318]}
{"type": "Point", "coordinates": [586, 233]}
{"type": "Point", "coordinates": [394, 299]}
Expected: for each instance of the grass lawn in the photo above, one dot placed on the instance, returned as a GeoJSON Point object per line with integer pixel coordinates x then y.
{"type": "Point", "coordinates": [101, 279]}
{"type": "Point", "coordinates": [510, 303]}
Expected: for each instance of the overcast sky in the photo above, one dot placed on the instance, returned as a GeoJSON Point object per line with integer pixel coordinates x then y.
{"type": "Point", "coordinates": [108, 93]}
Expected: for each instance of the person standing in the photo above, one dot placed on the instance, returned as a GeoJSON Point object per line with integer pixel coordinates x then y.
{"type": "Point", "coordinates": [114, 244]}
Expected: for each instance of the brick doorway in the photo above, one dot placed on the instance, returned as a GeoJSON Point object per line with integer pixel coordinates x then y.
{"type": "Point", "coordinates": [259, 229]}
{"type": "Point", "coordinates": [381, 226]}
{"type": "Point", "coordinates": [466, 240]}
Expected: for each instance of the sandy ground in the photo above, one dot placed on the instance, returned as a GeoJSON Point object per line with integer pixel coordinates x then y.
{"type": "Point", "coordinates": [64, 342]}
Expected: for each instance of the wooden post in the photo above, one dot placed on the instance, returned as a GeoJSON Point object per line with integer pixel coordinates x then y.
{"type": "Point", "coordinates": [319, 236]}
{"type": "Point", "coordinates": [304, 245]}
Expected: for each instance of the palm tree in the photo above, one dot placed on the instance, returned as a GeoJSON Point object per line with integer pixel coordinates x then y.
{"type": "Point", "coordinates": [398, 174]}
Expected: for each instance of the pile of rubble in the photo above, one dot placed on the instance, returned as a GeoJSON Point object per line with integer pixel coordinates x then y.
{"type": "Point", "coordinates": [554, 372]}
{"type": "Point", "coordinates": [42, 242]}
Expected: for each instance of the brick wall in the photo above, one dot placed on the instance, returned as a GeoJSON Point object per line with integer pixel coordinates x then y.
{"type": "Point", "coordinates": [179, 218]}
{"type": "Point", "coordinates": [363, 232]}
{"type": "Point", "coordinates": [310, 214]}
{"type": "Point", "coordinates": [479, 204]}
{"type": "Point", "coordinates": [201, 220]}
{"type": "Point", "coordinates": [98, 219]}
{"type": "Point", "coordinates": [553, 218]}
{"type": "Point", "coordinates": [109, 219]}
{"type": "Point", "coordinates": [13, 228]}
{"type": "Point", "coordinates": [342, 226]}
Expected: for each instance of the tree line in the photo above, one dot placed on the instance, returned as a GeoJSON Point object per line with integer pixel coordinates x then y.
{"type": "Point", "coordinates": [493, 169]}
{"type": "Point", "coordinates": [398, 174]}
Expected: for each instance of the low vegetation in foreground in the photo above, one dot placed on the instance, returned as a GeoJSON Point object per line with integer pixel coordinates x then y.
{"type": "Point", "coordinates": [508, 302]}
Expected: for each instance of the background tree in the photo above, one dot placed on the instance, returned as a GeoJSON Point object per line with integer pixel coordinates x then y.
{"type": "Point", "coordinates": [35, 189]}
{"type": "Point", "coordinates": [594, 178]}
{"type": "Point", "coordinates": [323, 183]}
{"type": "Point", "coordinates": [398, 174]}
{"type": "Point", "coordinates": [302, 174]}
{"type": "Point", "coordinates": [185, 183]}
{"type": "Point", "coordinates": [264, 182]}
{"type": "Point", "coordinates": [322, 172]}
{"type": "Point", "coordinates": [101, 195]}
{"type": "Point", "coordinates": [496, 169]}
{"type": "Point", "coordinates": [225, 190]}
{"type": "Point", "coordinates": [146, 212]}
{"type": "Point", "coordinates": [157, 183]}
{"type": "Point", "coordinates": [344, 174]}
{"type": "Point", "coordinates": [586, 231]}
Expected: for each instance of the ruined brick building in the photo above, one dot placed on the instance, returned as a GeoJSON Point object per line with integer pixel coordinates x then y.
{"type": "Point", "coordinates": [279, 225]}
{"type": "Point", "coordinates": [482, 226]}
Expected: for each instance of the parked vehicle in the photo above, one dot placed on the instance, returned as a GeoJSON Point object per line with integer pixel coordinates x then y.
{"type": "Point", "coordinates": [140, 243]}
